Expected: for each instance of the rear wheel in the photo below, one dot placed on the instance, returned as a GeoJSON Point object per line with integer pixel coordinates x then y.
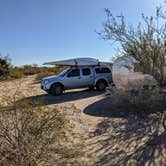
{"type": "Point", "coordinates": [56, 89]}
{"type": "Point", "coordinates": [101, 85]}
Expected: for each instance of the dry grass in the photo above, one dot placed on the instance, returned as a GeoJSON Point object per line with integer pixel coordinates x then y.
{"type": "Point", "coordinates": [43, 74]}
{"type": "Point", "coordinates": [34, 135]}
{"type": "Point", "coordinates": [19, 72]}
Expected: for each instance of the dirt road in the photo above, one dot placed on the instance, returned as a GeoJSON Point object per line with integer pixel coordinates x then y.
{"type": "Point", "coordinates": [29, 88]}
{"type": "Point", "coordinates": [110, 137]}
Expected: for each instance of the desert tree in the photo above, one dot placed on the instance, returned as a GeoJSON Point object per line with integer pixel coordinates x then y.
{"type": "Point", "coordinates": [146, 42]}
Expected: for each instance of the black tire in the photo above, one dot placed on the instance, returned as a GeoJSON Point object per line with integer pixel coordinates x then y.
{"type": "Point", "coordinates": [101, 85]}
{"type": "Point", "coordinates": [49, 92]}
{"type": "Point", "coordinates": [56, 89]}
{"type": "Point", "coordinates": [91, 87]}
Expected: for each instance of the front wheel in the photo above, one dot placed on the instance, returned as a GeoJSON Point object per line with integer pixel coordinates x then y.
{"type": "Point", "coordinates": [101, 85]}
{"type": "Point", "coordinates": [56, 89]}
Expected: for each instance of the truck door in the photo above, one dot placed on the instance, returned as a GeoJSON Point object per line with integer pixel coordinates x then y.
{"type": "Point", "coordinates": [87, 77]}
{"type": "Point", "coordinates": [73, 79]}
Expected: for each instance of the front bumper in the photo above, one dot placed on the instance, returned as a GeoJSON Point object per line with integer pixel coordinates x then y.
{"type": "Point", "coordinates": [45, 89]}
{"type": "Point", "coordinates": [42, 87]}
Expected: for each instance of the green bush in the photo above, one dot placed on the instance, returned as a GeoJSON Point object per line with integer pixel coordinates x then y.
{"type": "Point", "coordinates": [16, 73]}
{"type": "Point", "coordinates": [4, 67]}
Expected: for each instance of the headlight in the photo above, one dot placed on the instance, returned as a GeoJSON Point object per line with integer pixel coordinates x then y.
{"type": "Point", "coordinates": [47, 81]}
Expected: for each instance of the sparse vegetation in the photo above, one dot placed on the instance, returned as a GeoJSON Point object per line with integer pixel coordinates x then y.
{"type": "Point", "coordinates": [15, 73]}
{"type": "Point", "coordinates": [29, 69]}
{"type": "Point", "coordinates": [40, 71]}
{"type": "Point", "coordinates": [34, 135]}
{"type": "Point", "coordinates": [7, 71]}
{"type": "Point", "coordinates": [45, 72]}
{"type": "Point", "coordinates": [5, 66]}
{"type": "Point", "coordinates": [131, 124]}
{"type": "Point", "coordinates": [34, 69]}
{"type": "Point", "coordinates": [133, 130]}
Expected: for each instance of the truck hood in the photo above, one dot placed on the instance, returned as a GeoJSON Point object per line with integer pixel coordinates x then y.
{"type": "Point", "coordinates": [50, 77]}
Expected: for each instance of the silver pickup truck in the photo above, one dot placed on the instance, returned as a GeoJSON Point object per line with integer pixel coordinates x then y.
{"type": "Point", "coordinates": [78, 77]}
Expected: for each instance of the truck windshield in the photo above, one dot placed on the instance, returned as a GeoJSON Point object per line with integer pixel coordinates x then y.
{"type": "Point", "coordinates": [64, 72]}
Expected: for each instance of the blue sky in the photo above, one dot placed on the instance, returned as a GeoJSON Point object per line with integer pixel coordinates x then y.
{"type": "Point", "coordinates": [37, 31]}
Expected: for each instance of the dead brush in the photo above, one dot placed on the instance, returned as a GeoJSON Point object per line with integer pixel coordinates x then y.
{"type": "Point", "coordinates": [31, 134]}
{"type": "Point", "coordinates": [142, 102]}
{"type": "Point", "coordinates": [135, 94]}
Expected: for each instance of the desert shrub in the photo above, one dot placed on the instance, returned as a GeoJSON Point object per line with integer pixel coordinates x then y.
{"type": "Point", "coordinates": [48, 72]}
{"type": "Point", "coordinates": [135, 95]}
{"type": "Point", "coordinates": [144, 101]}
{"type": "Point", "coordinates": [43, 74]}
{"type": "Point", "coordinates": [34, 69]}
{"type": "Point", "coordinates": [7, 71]}
{"type": "Point", "coordinates": [4, 67]}
{"type": "Point", "coordinates": [30, 69]}
{"type": "Point", "coordinates": [16, 73]}
{"type": "Point", "coordinates": [33, 135]}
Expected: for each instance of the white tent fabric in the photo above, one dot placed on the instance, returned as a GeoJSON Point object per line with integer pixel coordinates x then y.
{"type": "Point", "coordinates": [124, 76]}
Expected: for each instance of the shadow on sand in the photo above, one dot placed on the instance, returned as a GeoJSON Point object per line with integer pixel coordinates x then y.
{"type": "Point", "coordinates": [69, 96]}
{"type": "Point", "coordinates": [128, 135]}
{"type": "Point", "coordinates": [107, 108]}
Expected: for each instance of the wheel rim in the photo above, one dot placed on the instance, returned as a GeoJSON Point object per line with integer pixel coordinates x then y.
{"type": "Point", "coordinates": [58, 90]}
{"type": "Point", "coordinates": [101, 86]}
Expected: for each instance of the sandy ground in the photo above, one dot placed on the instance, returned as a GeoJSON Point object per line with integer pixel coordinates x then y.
{"type": "Point", "coordinates": [110, 137]}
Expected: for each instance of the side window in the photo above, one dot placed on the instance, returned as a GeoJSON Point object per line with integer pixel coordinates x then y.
{"type": "Point", "coordinates": [98, 70]}
{"type": "Point", "coordinates": [102, 70]}
{"type": "Point", "coordinates": [106, 70]}
{"type": "Point", "coordinates": [86, 71]}
{"type": "Point", "coordinates": [74, 73]}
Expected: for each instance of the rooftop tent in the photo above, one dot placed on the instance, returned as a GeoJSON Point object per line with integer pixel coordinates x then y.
{"type": "Point", "coordinates": [78, 62]}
